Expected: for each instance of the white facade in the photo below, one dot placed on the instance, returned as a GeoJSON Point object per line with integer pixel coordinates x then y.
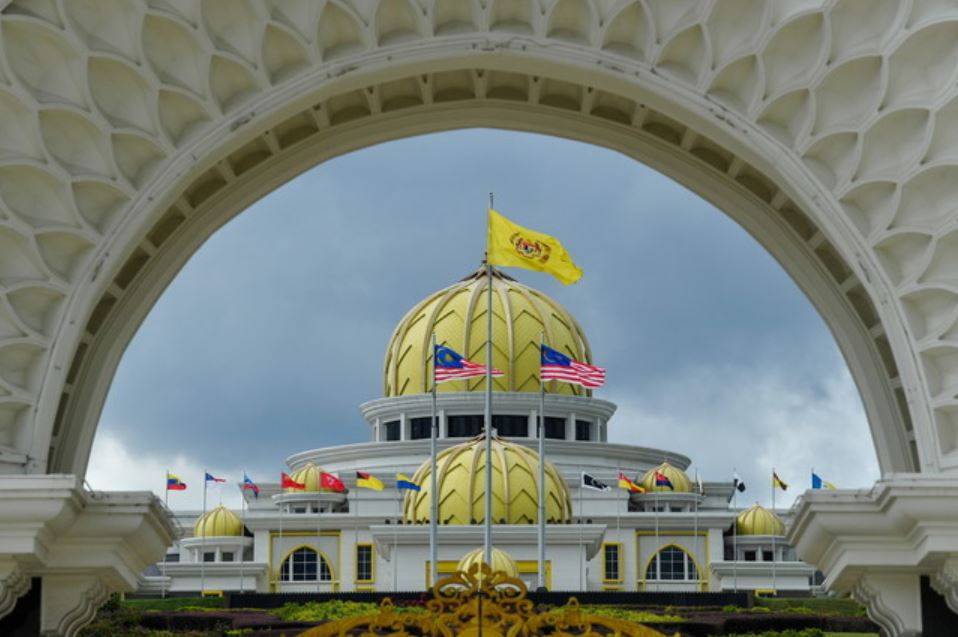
{"type": "Point", "coordinates": [697, 528]}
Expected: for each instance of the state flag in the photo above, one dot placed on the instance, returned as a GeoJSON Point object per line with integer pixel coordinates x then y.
{"type": "Point", "coordinates": [368, 481]}
{"type": "Point", "coordinates": [590, 482]}
{"type": "Point", "coordinates": [287, 482]}
{"type": "Point", "coordinates": [332, 483]}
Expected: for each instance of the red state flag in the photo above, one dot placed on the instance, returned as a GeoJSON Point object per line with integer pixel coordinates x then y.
{"type": "Point", "coordinates": [331, 482]}
{"type": "Point", "coordinates": [289, 483]}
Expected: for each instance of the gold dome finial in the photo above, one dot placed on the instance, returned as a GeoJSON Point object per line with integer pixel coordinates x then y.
{"type": "Point", "coordinates": [220, 522]}
{"type": "Point", "coordinates": [679, 479]}
{"type": "Point", "coordinates": [521, 314]}
{"type": "Point", "coordinates": [501, 562]}
{"type": "Point", "coordinates": [310, 475]}
{"type": "Point", "coordinates": [462, 486]}
{"type": "Point", "coordinates": [757, 520]}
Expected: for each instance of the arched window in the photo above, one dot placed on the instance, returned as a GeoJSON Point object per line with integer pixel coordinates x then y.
{"type": "Point", "coordinates": [300, 566]}
{"type": "Point", "coordinates": [672, 563]}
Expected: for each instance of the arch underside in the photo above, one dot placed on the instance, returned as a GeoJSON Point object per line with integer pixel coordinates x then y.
{"type": "Point", "coordinates": [130, 131]}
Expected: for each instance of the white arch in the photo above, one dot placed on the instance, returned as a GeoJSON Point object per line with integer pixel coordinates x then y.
{"type": "Point", "coordinates": [131, 129]}
{"type": "Point", "coordinates": [129, 119]}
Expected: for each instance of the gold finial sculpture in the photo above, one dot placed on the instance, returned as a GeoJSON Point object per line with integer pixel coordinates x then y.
{"type": "Point", "coordinates": [484, 602]}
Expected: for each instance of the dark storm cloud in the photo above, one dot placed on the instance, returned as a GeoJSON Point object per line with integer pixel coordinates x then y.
{"type": "Point", "coordinates": [275, 331]}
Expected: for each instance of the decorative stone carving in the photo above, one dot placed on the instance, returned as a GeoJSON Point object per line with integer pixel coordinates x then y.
{"type": "Point", "coordinates": [945, 582]}
{"type": "Point", "coordinates": [14, 583]}
{"type": "Point", "coordinates": [882, 614]}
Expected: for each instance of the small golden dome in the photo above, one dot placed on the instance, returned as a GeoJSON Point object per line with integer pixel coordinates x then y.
{"type": "Point", "coordinates": [680, 481]}
{"type": "Point", "coordinates": [310, 475]}
{"type": "Point", "coordinates": [457, 316]}
{"type": "Point", "coordinates": [220, 522]}
{"type": "Point", "coordinates": [501, 561]}
{"type": "Point", "coordinates": [462, 486]}
{"type": "Point", "coordinates": [757, 520]}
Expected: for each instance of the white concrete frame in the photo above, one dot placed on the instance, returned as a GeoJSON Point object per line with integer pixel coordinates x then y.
{"type": "Point", "coordinates": [130, 130]}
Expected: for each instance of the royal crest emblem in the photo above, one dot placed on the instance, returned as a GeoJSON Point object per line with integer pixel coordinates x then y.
{"type": "Point", "coordinates": [530, 248]}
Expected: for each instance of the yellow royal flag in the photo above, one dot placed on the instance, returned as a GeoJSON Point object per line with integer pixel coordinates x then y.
{"type": "Point", "coordinates": [510, 244]}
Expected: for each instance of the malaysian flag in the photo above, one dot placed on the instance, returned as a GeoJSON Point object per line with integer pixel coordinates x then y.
{"type": "Point", "coordinates": [450, 365]}
{"type": "Point", "coordinates": [557, 366]}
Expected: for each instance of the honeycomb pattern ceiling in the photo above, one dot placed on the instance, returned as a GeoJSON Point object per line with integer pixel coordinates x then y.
{"type": "Point", "coordinates": [124, 124]}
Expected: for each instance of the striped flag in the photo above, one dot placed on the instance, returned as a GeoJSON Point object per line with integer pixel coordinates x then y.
{"type": "Point", "coordinates": [555, 365]}
{"type": "Point", "coordinates": [450, 365]}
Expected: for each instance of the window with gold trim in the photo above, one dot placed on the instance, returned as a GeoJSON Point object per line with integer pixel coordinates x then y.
{"type": "Point", "coordinates": [303, 564]}
{"type": "Point", "coordinates": [672, 563]}
{"type": "Point", "coordinates": [611, 562]}
{"type": "Point", "coordinates": [364, 563]}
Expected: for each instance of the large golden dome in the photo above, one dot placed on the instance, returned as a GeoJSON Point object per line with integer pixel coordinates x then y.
{"type": "Point", "coordinates": [220, 522]}
{"type": "Point", "coordinates": [757, 520]}
{"type": "Point", "coordinates": [457, 315]}
{"type": "Point", "coordinates": [461, 481]}
{"type": "Point", "coordinates": [679, 479]}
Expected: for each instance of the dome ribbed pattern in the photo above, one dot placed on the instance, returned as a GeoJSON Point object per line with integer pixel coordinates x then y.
{"type": "Point", "coordinates": [501, 561]}
{"type": "Point", "coordinates": [310, 475]}
{"type": "Point", "coordinates": [757, 520]}
{"type": "Point", "coordinates": [461, 480]}
{"type": "Point", "coordinates": [220, 522]}
{"type": "Point", "coordinates": [457, 315]}
{"type": "Point", "coordinates": [680, 481]}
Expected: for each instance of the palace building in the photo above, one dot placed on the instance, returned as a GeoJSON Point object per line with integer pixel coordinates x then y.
{"type": "Point", "coordinates": [684, 537]}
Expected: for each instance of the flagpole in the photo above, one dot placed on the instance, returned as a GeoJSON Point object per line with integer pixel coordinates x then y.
{"type": "Point", "coordinates": [582, 583]}
{"type": "Point", "coordinates": [487, 417]}
{"type": "Point", "coordinates": [695, 532]}
{"type": "Point", "coordinates": [774, 582]}
{"type": "Point", "coordinates": [280, 540]}
{"type": "Point", "coordinates": [319, 537]}
{"type": "Point", "coordinates": [658, 565]}
{"type": "Point", "coordinates": [242, 547]}
{"type": "Point", "coordinates": [735, 533]}
{"type": "Point", "coordinates": [166, 503]}
{"type": "Point", "coordinates": [542, 470]}
{"type": "Point", "coordinates": [434, 496]}
{"type": "Point", "coordinates": [396, 545]}
{"type": "Point", "coordinates": [203, 542]}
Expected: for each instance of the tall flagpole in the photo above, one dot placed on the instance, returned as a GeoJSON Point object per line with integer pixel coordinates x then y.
{"type": "Point", "coordinates": [735, 534]}
{"type": "Point", "coordinates": [396, 544]}
{"type": "Point", "coordinates": [774, 582]}
{"type": "Point", "coordinates": [658, 556]}
{"type": "Point", "coordinates": [487, 417]}
{"type": "Point", "coordinates": [583, 585]}
{"type": "Point", "coordinates": [434, 497]}
{"type": "Point", "coordinates": [696, 522]}
{"type": "Point", "coordinates": [280, 540]}
{"type": "Point", "coordinates": [166, 503]}
{"type": "Point", "coordinates": [203, 542]}
{"type": "Point", "coordinates": [319, 536]}
{"type": "Point", "coordinates": [542, 469]}
{"type": "Point", "coordinates": [242, 547]}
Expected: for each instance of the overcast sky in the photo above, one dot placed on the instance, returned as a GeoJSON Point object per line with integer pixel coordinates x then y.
{"type": "Point", "coordinates": [275, 331]}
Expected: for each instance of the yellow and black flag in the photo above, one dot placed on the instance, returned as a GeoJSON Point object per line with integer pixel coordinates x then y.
{"type": "Point", "coordinates": [778, 482]}
{"type": "Point", "coordinates": [510, 244]}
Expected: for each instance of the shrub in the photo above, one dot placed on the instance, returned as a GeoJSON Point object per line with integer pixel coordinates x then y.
{"type": "Point", "coordinates": [805, 632]}
{"type": "Point", "coordinates": [335, 609]}
{"type": "Point", "coordinates": [175, 603]}
{"type": "Point", "coordinates": [630, 615]}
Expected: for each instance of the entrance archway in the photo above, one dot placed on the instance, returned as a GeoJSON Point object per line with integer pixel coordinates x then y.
{"type": "Point", "coordinates": [130, 131]}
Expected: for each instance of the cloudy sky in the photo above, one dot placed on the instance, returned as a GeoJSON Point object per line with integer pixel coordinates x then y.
{"type": "Point", "coordinates": [275, 330]}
